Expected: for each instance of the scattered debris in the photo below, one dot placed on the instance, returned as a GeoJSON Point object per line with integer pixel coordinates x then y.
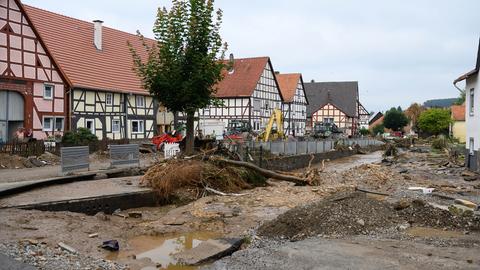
{"type": "Point", "coordinates": [67, 248]}
{"type": "Point", "coordinates": [466, 203]}
{"type": "Point", "coordinates": [93, 235]}
{"type": "Point", "coordinates": [135, 214]}
{"type": "Point", "coordinates": [111, 245]}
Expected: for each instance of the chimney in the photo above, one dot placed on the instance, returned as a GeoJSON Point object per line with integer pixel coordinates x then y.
{"type": "Point", "coordinates": [312, 81]}
{"type": "Point", "coordinates": [277, 72]}
{"type": "Point", "coordinates": [97, 34]}
{"type": "Point", "coordinates": [231, 63]}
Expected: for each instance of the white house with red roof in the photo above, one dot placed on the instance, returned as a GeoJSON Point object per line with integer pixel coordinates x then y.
{"type": "Point", "coordinates": [249, 91]}
{"type": "Point", "coordinates": [472, 114]}
{"type": "Point", "coordinates": [295, 102]}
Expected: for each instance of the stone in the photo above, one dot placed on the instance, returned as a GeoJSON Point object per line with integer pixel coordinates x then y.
{"type": "Point", "coordinates": [209, 250]}
{"type": "Point", "coordinates": [102, 216]}
{"type": "Point", "coordinates": [469, 173]}
{"type": "Point", "coordinates": [100, 176]}
{"type": "Point", "coordinates": [466, 203]}
{"type": "Point", "coordinates": [361, 222]}
{"type": "Point", "coordinates": [35, 162]}
{"type": "Point", "coordinates": [470, 178]}
{"type": "Point", "coordinates": [135, 214]}
{"type": "Point", "coordinates": [401, 204]}
{"type": "Point", "coordinates": [460, 210]}
{"type": "Point", "coordinates": [93, 235]}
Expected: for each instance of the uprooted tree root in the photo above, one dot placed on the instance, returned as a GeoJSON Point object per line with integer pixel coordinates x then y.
{"type": "Point", "coordinates": [194, 176]}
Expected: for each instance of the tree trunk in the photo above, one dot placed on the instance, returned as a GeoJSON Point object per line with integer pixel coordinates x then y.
{"type": "Point", "coordinates": [190, 135]}
{"type": "Point", "coordinates": [175, 121]}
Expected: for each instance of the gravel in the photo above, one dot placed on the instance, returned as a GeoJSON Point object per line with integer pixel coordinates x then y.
{"type": "Point", "coordinates": [42, 256]}
{"type": "Point", "coordinates": [358, 214]}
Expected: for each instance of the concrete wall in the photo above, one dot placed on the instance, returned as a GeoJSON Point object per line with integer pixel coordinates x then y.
{"type": "Point", "coordinates": [301, 161]}
{"type": "Point", "coordinates": [459, 131]}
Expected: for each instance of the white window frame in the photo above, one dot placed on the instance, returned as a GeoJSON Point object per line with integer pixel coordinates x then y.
{"type": "Point", "coordinates": [92, 130]}
{"type": "Point", "coordinates": [108, 101]}
{"type": "Point", "coordinates": [141, 127]}
{"type": "Point", "coordinates": [63, 124]}
{"type": "Point", "coordinates": [52, 90]}
{"type": "Point", "coordinates": [113, 124]}
{"type": "Point", "coordinates": [52, 121]}
{"type": "Point", "coordinates": [471, 107]}
{"type": "Point", "coordinates": [142, 98]}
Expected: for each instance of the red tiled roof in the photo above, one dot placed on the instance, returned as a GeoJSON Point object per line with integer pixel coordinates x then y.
{"type": "Point", "coordinates": [241, 82]}
{"type": "Point", "coordinates": [458, 112]}
{"type": "Point", "coordinates": [70, 41]}
{"type": "Point", "coordinates": [288, 85]}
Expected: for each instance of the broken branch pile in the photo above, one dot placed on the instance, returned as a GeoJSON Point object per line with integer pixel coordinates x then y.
{"type": "Point", "coordinates": [195, 176]}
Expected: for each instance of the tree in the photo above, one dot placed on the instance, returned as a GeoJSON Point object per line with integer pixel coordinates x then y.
{"type": "Point", "coordinates": [364, 131]}
{"type": "Point", "coordinates": [435, 121]}
{"type": "Point", "coordinates": [395, 119]}
{"type": "Point", "coordinates": [413, 113]}
{"type": "Point", "coordinates": [378, 129]}
{"type": "Point", "coordinates": [461, 99]}
{"type": "Point", "coordinates": [187, 60]}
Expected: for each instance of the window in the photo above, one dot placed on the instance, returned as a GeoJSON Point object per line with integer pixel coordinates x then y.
{"type": "Point", "coordinates": [471, 147]}
{"type": "Point", "coordinates": [47, 91]}
{"type": "Point", "coordinates": [90, 124]}
{"type": "Point", "coordinates": [328, 120]}
{"type": "Point", "coordinates": [472, 101]}
{"type": "Point", "coordinates": [115, 126]}
{"type": "Point", "coordinates": [137, 126]}
{"type": "Point", "coordinates": [140, 101]}
{"type": "Point", "coordinates": [109, 99]}
{"type": "Point", "coordinates": [47, 123]}
{"type": "Point", "coordinates": [59, 123]}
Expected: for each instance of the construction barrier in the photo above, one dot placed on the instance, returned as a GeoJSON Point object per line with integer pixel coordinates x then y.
{"type": "Point", "coordinates": [124, 154]}
{"type": "Point", "coordinates": [74, 158]}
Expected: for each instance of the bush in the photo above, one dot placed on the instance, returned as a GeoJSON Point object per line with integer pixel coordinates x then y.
{"type": "Point", "coordinates": [378, 129]}
{"type": "Point", "coordinates": [79, 137]}
{"type": "Point", "coordinates": [364, 131]}
{"type": "Point", "coordinates": [435, 121]}
{"type": "Point", "coordinates": [440, 143]}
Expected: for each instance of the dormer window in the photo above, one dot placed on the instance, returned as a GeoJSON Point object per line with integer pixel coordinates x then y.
{"type": "Point", "coordinates": [48, 91]}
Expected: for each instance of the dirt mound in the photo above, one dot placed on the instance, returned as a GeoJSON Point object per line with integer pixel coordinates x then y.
{"type": "Point", "coordinates": [175, 175]}
{"type": "Point", "coordinates": [356, 213]}
{"type": "Point", "coordinates": [49, 158]}
{"type": "Point", "coordinates": [12, 161]}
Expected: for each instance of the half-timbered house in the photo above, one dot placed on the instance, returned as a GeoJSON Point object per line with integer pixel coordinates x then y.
{"type": "Point", "coordinates": [249, 91]}
{"type": "Point", "coordinates": [32, 87]}
{"type": "Point", "coordinates": [334, 102]}
{"type": "Point", "coordinates": [105, 94]}
{"type": "Point", "coordinates": [294, 107]}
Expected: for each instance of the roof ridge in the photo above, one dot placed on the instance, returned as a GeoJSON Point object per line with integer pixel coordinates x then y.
{"type": "Point", "coordinates": [80, 20]}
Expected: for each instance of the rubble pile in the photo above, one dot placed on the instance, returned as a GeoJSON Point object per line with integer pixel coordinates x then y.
{"type": "Point", "coordinates": [356, 213]}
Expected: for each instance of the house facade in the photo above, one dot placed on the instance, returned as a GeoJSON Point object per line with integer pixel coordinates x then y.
{"type": "Point", "coordinates": [335, 102]}
{"type": "Point", "coordinates": [32, 87]}
{"type": "Point", "coordinates": [458, 128]}
{"type": "Point", "coordinates": [105, 95]}
{"type": "Point", "coordinates": [294, 107]}
{"type": "Point", "coordinates": [249, 91]}
{"type": "Point", "coordinates": [472, 115]}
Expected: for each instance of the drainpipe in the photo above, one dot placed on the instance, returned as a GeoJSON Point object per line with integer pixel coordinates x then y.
{"type": "Point", "coordinates": [458, 88]}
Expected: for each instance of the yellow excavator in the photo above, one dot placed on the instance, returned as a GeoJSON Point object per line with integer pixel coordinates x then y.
{"type": "Point", "coordinates": [273, 132]}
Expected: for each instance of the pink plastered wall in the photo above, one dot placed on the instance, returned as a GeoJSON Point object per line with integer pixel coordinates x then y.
{"type": "Point", "coordinates": [43, 105]}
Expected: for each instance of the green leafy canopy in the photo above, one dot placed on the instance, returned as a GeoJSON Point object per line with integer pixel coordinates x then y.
{"type": "Point", "coordinates": [435, 121]}
{"type": "Point", "coordinates": [186, 61]}
{"type": "Point", "coordinates": [395, 119]}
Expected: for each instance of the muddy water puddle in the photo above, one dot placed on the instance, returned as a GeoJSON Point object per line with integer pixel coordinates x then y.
{"type": "Point", "coordinates": [156, 252]}
{"type": "Point", "coordinates": [432, 232]}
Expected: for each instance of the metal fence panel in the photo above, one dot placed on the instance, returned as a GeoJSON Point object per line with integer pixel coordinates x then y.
{"type": "Point", "coordinates": [125, 154]}
{"type": "Point", "coordinates": [291, 148]}
{"type": "Point", "coordinates": [311, 147]}
{"type": "Point", "coordinates": [277, 147]}
{"type": "Point", "coordinates": [74, 158]}
{"type": "Point", "coordinates": [301, 148]}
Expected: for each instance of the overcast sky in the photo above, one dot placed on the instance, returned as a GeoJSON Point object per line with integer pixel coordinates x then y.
{"type": "Point", "coordinates": [400, 51]}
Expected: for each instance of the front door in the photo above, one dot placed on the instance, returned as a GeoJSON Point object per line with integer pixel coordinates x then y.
{"type": "Point", "coordinates": [11, 114]}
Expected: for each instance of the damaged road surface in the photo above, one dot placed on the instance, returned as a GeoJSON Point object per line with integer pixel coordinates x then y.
{"type": "Point", "coordinates": [282, 226]}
